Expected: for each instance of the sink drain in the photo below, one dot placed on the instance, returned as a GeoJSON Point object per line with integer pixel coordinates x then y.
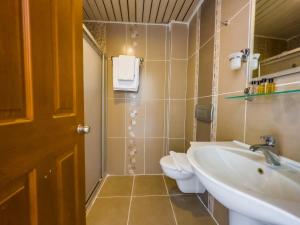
{"type": "Point", "coordinates": [260, 171]}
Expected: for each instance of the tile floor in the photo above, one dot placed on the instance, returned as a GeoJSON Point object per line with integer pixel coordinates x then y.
{"type": "Point", "coordinates": [146, 200]}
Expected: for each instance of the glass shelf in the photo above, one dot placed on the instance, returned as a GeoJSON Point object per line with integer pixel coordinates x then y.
{"type": "Point", "coordinates": [253, 96]}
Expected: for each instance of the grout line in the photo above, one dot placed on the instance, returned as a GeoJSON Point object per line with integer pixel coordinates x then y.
{"type": "Point", "coordinates": [130, 203]}
{"type": "Point", "coordinates": [207, 210]}
{"type": "Point", "coordinates": [145, 106]}
{"type": "Point", "coordinates": [165, 83]}
{"type": "Point", "coordinates": [205, 43]}
{"type": "Point", "coordinates": [176, 223]}
{"type": "Point", "coordinates": [238, 12]}
{"type": "Point", "coordinates": [96, 196]}
{"type": "Point", "coordinates": [141, 196]}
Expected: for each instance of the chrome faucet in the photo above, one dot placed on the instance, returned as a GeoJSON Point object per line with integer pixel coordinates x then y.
{"type": "Point", "coordinates": [269, 150]}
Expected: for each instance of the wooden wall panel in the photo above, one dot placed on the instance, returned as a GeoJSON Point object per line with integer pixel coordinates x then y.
{"type": "Point", "coordinates": [64, 86]}
{"type": "Point", "coordinates": [15, 64]}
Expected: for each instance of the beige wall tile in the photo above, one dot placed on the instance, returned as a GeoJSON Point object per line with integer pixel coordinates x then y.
{"type": "Point", "coordinates": [203, 128]}
{"type": "Point", "coordinates": [177, 145]}
{"type": "Point", "coordinates": [168, 44]}
{"type": "Point", "coordinates": [230, 122]}
{"type": "Point", "coordinates": [231, 7]}
{"type": "Point", "coordinates": [115, 156]}
{"type": "Point", "coordinates": [116, 118]}
{"type": "Point", "coordinates": [277, 116]}
{"type": "Point", "coordinates": [207, 21]}
{"type": "Point", "coordinates": [187, 145]}
{"type": "Point", "coordinates": [154, 148]}
{"type": "Point", "coordinates": [138, 144]}
{"type": "Point", "coordinates": [154, 84]}
{"type": "Point", "coordinates": [155, 118]}
{"type": "Point", "coordinates": [204, 198]}
{"type": "Point", "coordinates": [233, 39]}
{"type": "Point", "coordinates": [189, 120]}
{"type": "Point", "coordinates": [136, 40]}
{"type": "Point", "coordinates": [115, 39]}
{"type": "Point", "coordinates": [179, 35]}
{"type": "Point", "coordinates": [192, 36]}
{"type": "Point", "coordinates": [178, 79]}
{"type": "Point", "coordinates": [177, 118]}
{"type": "Point", "coordinates": [191, 78]}
{"type": "Point", "coordinates": [221, 213]}
{"type": "Point", "coordinates": [206, 63]}
{"type": "Point", "coordinates": [156, 40]}
{"type": "Point", "coordinates": [135, 126]}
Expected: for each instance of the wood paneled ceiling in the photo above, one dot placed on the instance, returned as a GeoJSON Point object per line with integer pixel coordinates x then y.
{"type": "Point", "coordinates": [277, 18]}
{"type": "Point", "coordinates": [141, 11]}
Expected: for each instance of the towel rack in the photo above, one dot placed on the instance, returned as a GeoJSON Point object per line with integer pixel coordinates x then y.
{"type": "Point", "coordinates": [141, 59]}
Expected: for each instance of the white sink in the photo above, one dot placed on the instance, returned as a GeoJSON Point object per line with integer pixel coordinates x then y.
{"type": "Point", "coordinates": [254, 193]}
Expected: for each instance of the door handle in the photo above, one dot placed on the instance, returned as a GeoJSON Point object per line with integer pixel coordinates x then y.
{"type": "Point", "coordinates": [82, 129]}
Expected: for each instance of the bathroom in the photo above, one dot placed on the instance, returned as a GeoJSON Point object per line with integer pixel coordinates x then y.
{"type": "Point", "coordinates": [204, 132]}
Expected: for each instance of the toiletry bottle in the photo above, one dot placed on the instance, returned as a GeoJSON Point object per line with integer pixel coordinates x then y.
{"type": "Point", "coordinates": [273, 85]}
{"type": "Point", "coordinates": [266, 86]}
{"type": "Point", "coordinates": [258, 89]}
{"type": "Point", "coordinates": [269, 86]}
{"type": "Point", "coordinates": [261, 87]}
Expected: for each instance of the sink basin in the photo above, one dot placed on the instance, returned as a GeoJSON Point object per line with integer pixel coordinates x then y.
{"type": "Point", "coordinates": [254, 193]}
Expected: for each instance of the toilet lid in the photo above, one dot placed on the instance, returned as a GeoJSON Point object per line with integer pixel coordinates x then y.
{"type": "Point", "coordinates": [182, 164]}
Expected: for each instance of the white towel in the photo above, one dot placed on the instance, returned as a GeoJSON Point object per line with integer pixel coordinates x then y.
{"type": "Point", "coordinates": [125, 67]}
{"type": "Point", "coordinates": [128, 85]}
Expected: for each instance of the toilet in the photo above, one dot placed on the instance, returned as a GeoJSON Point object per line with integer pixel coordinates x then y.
{"type": "Point", "coordinates": [177, 167]}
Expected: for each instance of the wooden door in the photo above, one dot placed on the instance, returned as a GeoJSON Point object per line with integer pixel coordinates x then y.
{"type": "Point", "coordinates": [41, 104]}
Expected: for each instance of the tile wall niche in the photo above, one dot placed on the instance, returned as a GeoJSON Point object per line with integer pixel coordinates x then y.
{"type": "Point", "coordinates": [135, 145]}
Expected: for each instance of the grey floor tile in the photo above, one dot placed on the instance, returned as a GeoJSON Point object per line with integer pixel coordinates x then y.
{"type": "Point", "coordinates": [109, 211]}
{"type": "Point", "coordinates": [117, 186]}
{"type": "Point", "coordinates": [154, 210]}
{"type": "Point", "coordinates": [149, 185]}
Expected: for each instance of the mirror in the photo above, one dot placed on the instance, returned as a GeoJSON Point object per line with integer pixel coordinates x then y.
{"type": "Point", "coordinates": [276, 47]}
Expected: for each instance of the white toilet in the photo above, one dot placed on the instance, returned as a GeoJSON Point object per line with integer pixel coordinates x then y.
{"type": "Point", "coordinates": [177, 167]}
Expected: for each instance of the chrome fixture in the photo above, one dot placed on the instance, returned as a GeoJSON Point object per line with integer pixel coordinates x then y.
{"type": "Point", "coordinates": [246, 53]}
{"type": "Point", "coordinates": [268, 149]}
{"type": "Point", "coordinates": [81, 129]}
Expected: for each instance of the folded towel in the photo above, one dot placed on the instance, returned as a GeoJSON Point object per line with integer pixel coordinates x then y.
{"type": "Point", "coordinates": [125, 69]}
{"type": "Point", "coordinates": [128, 85]}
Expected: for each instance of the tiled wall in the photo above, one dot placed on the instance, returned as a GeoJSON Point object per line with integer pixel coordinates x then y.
{"type": "Point", "coordinates": [177, 86]}
{"type": "Point", "coordinates": [241, 120]}
{"type": "Point", "coordinates": [192, 79]}
{"type": "Point", "coordinates": [137, 148]}
{"type": "Point", "coordinates": [135, 145]}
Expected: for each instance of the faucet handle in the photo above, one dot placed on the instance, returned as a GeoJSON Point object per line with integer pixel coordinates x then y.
{"type": "Point", "coordinates": [269, 140]}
